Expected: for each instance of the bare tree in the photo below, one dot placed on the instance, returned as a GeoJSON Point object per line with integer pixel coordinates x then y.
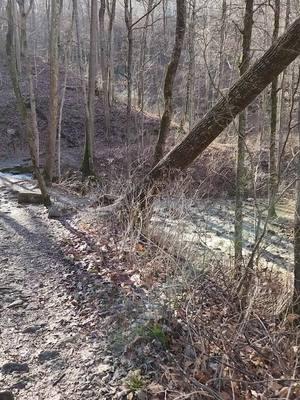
{"type": "Point", "coordinates": [53, 100]}
{"type": "Point", "coordinates": [297, 225]}
{"type": "Point", "coordinates": [142, 59]}
{"type": "Point", "coordinates": [281, 54]}
{"type": "Point", "coordinates": [240, 167]}
{"type": "Point", "coordinates": [87, 166]}
{"type": "Point", "coordinates": [169, 80]}
{"type": "Point", "coordinates": [273, 178]}
{"type": "Point", "coordinates": [111, 11]}
{"type": "Point", "coordinates": [27, 110]}
{"type": "Point", "coordinates": [104, 70]}
{"type": "Point", "coordinates": [190, 86]}
{"type": "Point", "coordinates": [128, 22]}
{"type": "Point", "coordinates": [284, 89]}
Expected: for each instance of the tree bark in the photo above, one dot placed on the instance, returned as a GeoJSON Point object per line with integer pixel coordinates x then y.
{"type": "Point", "coordinates": [27, 112]}
{"type": "Point", "coordinates": [87, 166]}
{"type": "Point", "coordinates": [104, 71]}
{"type": "Point", "coordinates": [273, 178]}
{"type": "Point", "coordinates": [297, 228]}
{"type": "Point", "coordinates": [189, 101]}
{"type": "Point", "coordinates": [142, 60]}
{"type": "Point", "coordinates": [284, 88]}
{"type": "Point", "coordinates": [111, 10]}
{"type": "Point", "coordinates": [240, 167]}
{"type": "Point", "coordinates": [128, 22]}
{"type": "Point", "coordinates": [169, 80]}
{"type": "Point", "coordinates": [282, 53]}
{"type": "Point", "coordinates": [221, 51]}
{"type": "Point", "coordinates": [53, 100]}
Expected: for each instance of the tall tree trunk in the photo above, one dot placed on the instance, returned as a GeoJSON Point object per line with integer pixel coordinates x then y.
{"type": "Point", "coordinates": [53, 100]}
{"type": "Point", "coordinates": [103, 63]}
{"type": "Point", "coordinates": [169, 80]}
{"type": "Point", "coordinates": [240, 166]}
{"type": "Point", "coordinates": [128, 22]}
{"type": "Point", "coordinates": [87, 166]}
{"type": "Point", "coordinates": [111, 10]}
{"type": "Point", "coordinates": [221, 50]}
{"type": "Point", "coordinates": [273, 177]}
{"type": "Point", "coordinates": [27, 113]}
{"type": "Point", "coordinates": [16, 37]}
{"type": "Point", "coordinates": [284, 89]}
{"type": "Point", "coordinates": [67, 56]}
{"type": "Point", "coordinates": [297, 227]}
{"type": "Point", "coordinates": [282, 53]}
{"type": "Point", "coordinates": [142, 60]}
{"type": "Point", "coordinates": [189, 101]}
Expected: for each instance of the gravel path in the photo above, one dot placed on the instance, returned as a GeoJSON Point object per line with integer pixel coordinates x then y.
{"type": "Point", "coordinates": [52, 330]}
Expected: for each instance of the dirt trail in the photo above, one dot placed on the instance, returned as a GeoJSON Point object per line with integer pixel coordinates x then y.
{"type": "Point", "coordinates": [52, 336]}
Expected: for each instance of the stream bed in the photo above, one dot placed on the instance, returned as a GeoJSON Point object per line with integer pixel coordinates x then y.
{"type": "Point", "coordinates": [204, 230]}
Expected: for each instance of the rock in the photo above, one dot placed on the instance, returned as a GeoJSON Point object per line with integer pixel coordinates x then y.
{"type": "Point", "coordinates": [102, 368]}
{"type": "Point", "coordinates": [30, 198]}
{"type": "Point", "coordinates": [6, 395]}
{"type": "Point", "coordinates": [141, 395]}
{"type": "Point", "coordinates": [48, 355]}
{"type": "Point", "coordinates": [58, 211]}
{"type": "Point", "coordinates": [19, 385]}
{"type": "Point", "coordinates": [33, 328]}
{"type": "Point", "coordinates": [15, 303]}
{"type": "Point", "coordinates": [10, 367]}
{"type": "Point", "coordinates": [190, 352]}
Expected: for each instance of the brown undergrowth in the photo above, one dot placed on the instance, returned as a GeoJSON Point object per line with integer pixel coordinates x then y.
{"type": "Point", "coordinates": [183, 335]}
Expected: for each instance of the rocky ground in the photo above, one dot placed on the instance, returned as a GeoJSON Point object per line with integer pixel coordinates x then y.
{"type": "Point", "coordinates": [60, 325]}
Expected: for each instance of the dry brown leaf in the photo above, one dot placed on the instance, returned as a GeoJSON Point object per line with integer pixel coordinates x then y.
{"type": "Point", "coordinates": [292, 317]}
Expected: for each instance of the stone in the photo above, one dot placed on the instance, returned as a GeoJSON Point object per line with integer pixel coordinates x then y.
{"type": "Point", "coordinates": [16, 303]}
{"type": "Point", "coordinates": [102, 368]}
{"type": "Point", "coordinates": [48, 355]}
{"type": "Point", "coordinates": [59, 211]}
{"type": "Point", "coordinates": [7, 395]}
{"type": "Point", "coordinates": [10, 367]}
{"type": "Point", "coordinates": [33, 328]}
{"type": "Point", "coordinates": [141, 395]}
{"type": "Point", "coordinates": [30, 198]}
{"type": "Point", "coordinates": [19, 385]}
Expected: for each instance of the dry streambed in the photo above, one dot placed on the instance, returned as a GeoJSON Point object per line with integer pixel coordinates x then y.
{"type": "Point", "coordinates": [202, 231]}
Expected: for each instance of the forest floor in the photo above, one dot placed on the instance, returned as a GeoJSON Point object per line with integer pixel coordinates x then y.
{"type": "Point", "coordinates": [88, 312]}
{"type": "Point", "coordinates": [51, 346]}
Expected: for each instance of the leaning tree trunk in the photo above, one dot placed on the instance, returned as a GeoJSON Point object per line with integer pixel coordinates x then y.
{"type": "Point", "coordinates": [240, 168]}
{"type": "Point", "coordinates": [273, 177]}
{"type": "Point", "coordinates": [169, 81]}
{"type": "Point", "coordinates": [282, 53]}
